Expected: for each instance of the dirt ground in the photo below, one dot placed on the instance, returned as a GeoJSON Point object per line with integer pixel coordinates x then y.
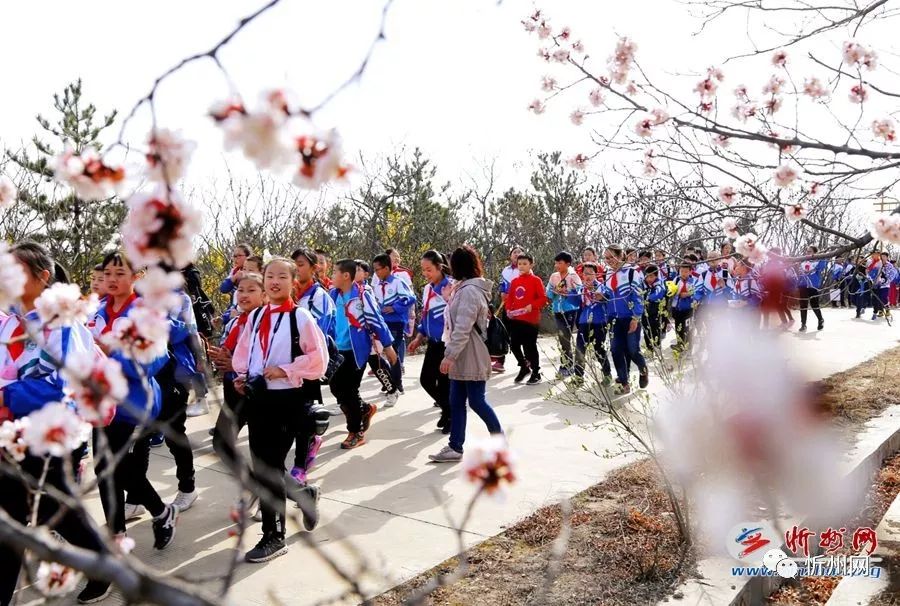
{"type": "Point", "coordinates": [624, 548]}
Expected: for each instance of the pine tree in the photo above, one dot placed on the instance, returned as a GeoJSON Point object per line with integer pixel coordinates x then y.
{"type": "Point", "coordinates": [76, 232]}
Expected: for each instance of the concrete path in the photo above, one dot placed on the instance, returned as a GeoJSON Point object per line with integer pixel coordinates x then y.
{"type": "Point", "coordinates": [385, 503]}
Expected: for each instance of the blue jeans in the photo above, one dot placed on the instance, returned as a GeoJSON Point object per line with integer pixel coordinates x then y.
{"type": "Point", "coordinates": [626, 348]}
{"type": "Point", "coordinates": [398, 332]}
{"type": "Point", "coordinates": [473, 391]}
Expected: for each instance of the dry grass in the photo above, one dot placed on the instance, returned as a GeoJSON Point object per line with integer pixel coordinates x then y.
{"type": "Point", "coordinates": [856, 395]}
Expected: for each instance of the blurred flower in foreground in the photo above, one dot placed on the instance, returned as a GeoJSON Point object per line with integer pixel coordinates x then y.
{"type": "Point", "coordinates": [490, 464]}
{"type": "Point", "coordinates": [746, 434]}
{"type": "Point", "coordinates": [54, 579]}
{"type": "Point", "coordinates": [55, 430]}
{"type": "Point", "coordinates": [12, 278]}
{"type": "Point", "coordinates": [63, 305]}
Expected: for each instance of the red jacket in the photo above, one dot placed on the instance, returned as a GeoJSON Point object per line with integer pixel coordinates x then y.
{"type": "Point", "coordinates": [523, 291]}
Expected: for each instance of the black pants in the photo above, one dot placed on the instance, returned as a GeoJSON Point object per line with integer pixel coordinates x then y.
{"type": "Point", "coordinates": [594, 335]}
{"type": "Point", "coordinates": [565, 328]}
{"type": "Point", "coordinates": [130, 474]}
{"type": "Point", "coordinates": [16, 499]}
{"type": "Point", "coordinates": [228, 428]}
{"type": "Point", "coordinates": [681, 317]}
{"type": "Point", "coordinates": [809, 297]}
{"type": "Point", "coordinates": [173, 416]}
{"type": "Point", "coordinates": [435, 383]}
{"type": "Point", "coordinates": [523, 344]}
{"type": "Point", "coordinates": [275, 419]}
{"type": "Point", "coordinates": [345, 388]}
{"type": "Point", "coordinates": [389, 375]}
{"type": "Point", "coordinates": [652, 324]}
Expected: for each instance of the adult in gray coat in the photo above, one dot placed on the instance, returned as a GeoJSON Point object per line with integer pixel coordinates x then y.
{"type": "Point", "coordinates": [466, 359]}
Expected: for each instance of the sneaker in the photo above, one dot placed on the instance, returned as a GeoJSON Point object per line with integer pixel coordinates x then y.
{"type": "Point", "coordinates": [645, 378]}
{"type": "Point", "coordinates": [623, 389]}
{"type": "Point", "coordinates": [443, 421]}
{"type": "Point", "coordinates": [523, 372]}
{"type": "Point", "coordinates": [157, 439]}
{"type": "Point", "coordinates": [391, 400]}
{"type": "Point", "coordinates": [497, 367]}
{"type": "Point", "coordinates": [607, 380]}
{"type": "Point", "coordinates": [367, 418]}
{"type": "Point", "coordinates": [308, 503]}
{"type": "Point", "coordinates": [134, 511]}
{"type": "Point", "coordinates": [446, 455]}
{"type": "Point", "coordinates": [164, 527]}
{"type": "Point", "coordinates": [802, 328]}
{"type": "Point", "coordinates": [270, 546]}
{"type": "Point", "coordinates": [199, 408]}
{"type": "Point", "coordinates": [94, 591]}
{"type": "Point", "coordinates": [353, 440]}
{"type": "Point", "coordinates": [535, 379]}
{"type": "Point", "coordinates": [821, 325]}
{"type": "Point", "coordinates": [564, 373]}
{"type": "Point", "coordinates": [874, 317]}
{"type": "Point", "coordinates": [184, 500]}
{"type": "Point", "coordinates": [299, 475]}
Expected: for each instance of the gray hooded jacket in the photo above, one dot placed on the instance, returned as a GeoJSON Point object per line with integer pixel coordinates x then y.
{"type": "Point", "coordinates": [468, 305]}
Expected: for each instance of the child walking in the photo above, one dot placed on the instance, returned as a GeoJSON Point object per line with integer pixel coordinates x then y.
{"type": "Point", "coordinates": [524, 302]}
{"type": "Point", "coordinates": [564, 294]}
{"type": "Point", "coordinates": [592, 323]}
{"type": "Point", "coordinates": [395, 300]}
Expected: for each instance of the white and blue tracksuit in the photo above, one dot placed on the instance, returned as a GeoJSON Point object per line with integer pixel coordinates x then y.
{"type": "Point", "coordinates": [395, 294]}
{"type": "Point", "coordinates": [316, 301]}
{"type": "Point", "coordinates": [434, 306]}
{"type": "Point", "coordinates": [592, 326]}
{"type": "Point", "coordinates": [626, 288]}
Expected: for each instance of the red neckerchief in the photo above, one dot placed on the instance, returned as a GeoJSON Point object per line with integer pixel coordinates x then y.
{"type": "Point", "coordinates": [311, 286]}
{"type": "Point", "coordinates": [113, 315]}
{"type": "Point", "coordinates": [232, 338]}
{"type": "Point", "coordinates": [16, 346]}
{"type": "Point", "coordinates": [872, 265]}
{"type": "Point", "coordinates": [431, 294]}
{"type": "Point", "coordinates": [265, 325]}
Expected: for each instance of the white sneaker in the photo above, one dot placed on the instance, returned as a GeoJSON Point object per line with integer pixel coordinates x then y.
{"type": "Point", "coordinates": [199, 408]}
{"type": "Point", "coordinates": [134, 511]}
{"type": "Point", "coordinates": [392, 399]}
{"type": "Point", "coordinates": [446, 455]}
{"type": "Point", "coordinates": [184, 500]}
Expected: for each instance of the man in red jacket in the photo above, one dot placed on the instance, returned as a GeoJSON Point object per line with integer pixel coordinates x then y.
{"type": "Point", "coordinates": [524, 301]}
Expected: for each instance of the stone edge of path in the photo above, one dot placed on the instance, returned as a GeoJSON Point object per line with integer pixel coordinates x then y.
{"type": "Point", "coordinates": [716, 587]}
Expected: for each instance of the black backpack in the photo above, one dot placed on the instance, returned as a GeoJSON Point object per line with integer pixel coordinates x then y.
{"type": "Point", "coordinates": [497, 338]}
{"type": "Point", "coordinates": [335, 359]}
{"type": "Point", "coordinates": [204, 311]}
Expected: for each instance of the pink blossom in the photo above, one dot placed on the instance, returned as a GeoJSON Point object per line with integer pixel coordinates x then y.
{"type": "Point", "coordinates": [321, 160]}
{"type": "Point", "coordinates": [858, 55]}
{"type": "Point", "coordinates": [644, 127]}
{"type": "Point", "coordinates": [884, 129]}
{"type": "Point", "coordinates": [560, 55]}
{"type": "Point", "coordinates": [621, 60]}
{"type": "Point", "coordinates": [741, 92]}
{"type": "Point", "coordinates": [143, 336]}
{"type": "Point", "coordinates": [55, 430]}
{"type": "Point", "coordinates": [886, 227]}
{"type": "Point", "coordinates": [743, 111]}
{"type": "Point", "coordinates": [746, 244]}
{"type": "Point", "coordinates": [96, 385]}
{"type": "Point", "coordinates": [715, 73]}
{"type": "Point", "coordinates": [786, 148]}
{"type": "Point", "coordinates": [12, 278]}
{"type": "Point", "coordinates": [87, 175]}
{"type": "Point", "coordinates": [779, 58]}
{"type": "Point", "coordinates": [490, 465]}
{"type": "Point", "coordinates": [705, 107]}
{"type": "Point", "coordinates": [157, 287]}
{"type": "Point", "coordinates": [758, 254]}
{"type": "Point", "coordinates": [730, 227]}
{"type": "Point", "coordinates": [8, 192]}
{"type": "Point", "coordinates": [814, 88]}
{"type": "Point", "coordinates": [773, 104]}
{"type": "Point", "coordinates": [858, 93]}
{"type": "Point", "coordinates": [578, 46]}
{"type": "Point", "coordinates": [577, 116]}
{"type": "Point", "coordinates": [659, 116]}
{"type": "Point", "coordinates": [815, 189]}
{"type": "Point", "coordinates": [631, 89]}
{"type": "Point", "coordinates": [261, 136]}
{"type": "Point", "coordinates": [11, 440]}
{"type": "Point", "coordinates": [785, 175]}
{"type": "Point", "coordinates": [62, 305]}
{"type": "Point", "coordinates": [537, 107]}
{"type": "Point", "coordinates": [727, 194]}
{"type": "Point", "coordinates": [707, 87]}
{"type": "Point", "coordinates": [159, 228]}
{"type": "Point", "coordinates": [565, 32]}
{"type": "Point", "coordinates": [596, 97]}
{"type": "Point", "coordinates": [167, 156]}
{"type": "Point", "coordinates": [529, 25]}
{"type": "Point", "coordinates": [722, 141]}
{"type": "Point", "coordinates": [223, 110]}
{"type": "Point", "coordinates": [544, 53]}
{"type": "Point", "coordinates": [774, 85]}
{"type": "Point", "coordinates": [548, 83]}
{"type": "Point", "coordinates": [544, 30]}
{"type": "Point", "coordinates": [578, 161]}
{"type": "Point", "coordinates": [54, 579]}
{"type": "Point", "coordinates": [795, 212]}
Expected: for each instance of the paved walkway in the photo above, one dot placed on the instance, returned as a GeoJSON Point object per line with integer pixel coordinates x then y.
{"type": "Point", "coordinates": [386, 503]}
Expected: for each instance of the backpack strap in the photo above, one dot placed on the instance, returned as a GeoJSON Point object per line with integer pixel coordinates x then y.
{"type": "Point", "coordinates": [296, 350]}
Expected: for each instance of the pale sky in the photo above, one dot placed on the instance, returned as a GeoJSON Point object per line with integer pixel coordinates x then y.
{"type": "Point", "coordinates": [454, 77]}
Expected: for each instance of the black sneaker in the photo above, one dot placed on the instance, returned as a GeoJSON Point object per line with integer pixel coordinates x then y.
{"type": "Point", "coordinates": [535, 379]}
{"type": "Point", "coordinates": [270, 546]}
{"type": "Point", "coordinates": [523, 372]}
{"type": "Point", "coordinates": [821, 325]}
{"type": "Point", "coordinates": [803, 328]}
{"type": "Point", "coordinates": [94, 591]}
{"type": "Point", "coordinates": [645, 378]}
{"type": "Point", "coordinates": [308, 502]}
{"type": "Point", "coordinates": [164, 527]}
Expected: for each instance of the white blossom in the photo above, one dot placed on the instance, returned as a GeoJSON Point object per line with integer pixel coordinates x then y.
{"type": "Point", "coordinates": [143, 336]}
{"type": "Point", "coordinates": [858, 93]}
{"type": "Point", "coordinates": [548, 83]}
{"type": "Point", "coordinates": [8, 192]}
{"type": "Point", "coordinates": [560, 55]}
{"type": "Point", "coordinates": [785, 175]}
{"type": "Point", "coordinates": [158, 286]}
{"type": "Point", "coordinates": [537, 107]}
{"type": "Point", "coordinates": [87, 175]}
{"type": "Point", "coordinates": [774, 85]}
{"type": "Point", "coordinates": [859, 56]}
{"type": "Point", "coordinates": [884, 129]}
{"type": "Point", "coordinates": [63, 305]}
{"type": "Point", "coordinates": [886, 227]}
{"type": "Point", "coordinates": [167, 156]}
{"type": "Point", "coordinates": [160, 228]}
{"type": "Point", "coordinates": [577, 116]}
{"type": "Point", "coordinates": [730, 227]}
{"type": "Point", "coordinates": [779, 58]}
{"type": "Point", "coordinates": [321, 160]}
{"type": "Point", "coordinates": [596, 97]}
{"type": "Point", "coordinates": [726, 194]}
{"type": "Point", "coordinates": [814, 88]}
{"type": "Point", "coordinates": [96, 385]}
{"type": "Point", "coordinates": [54, 579]}
{"type": "Point", "coordinates": [578, 161]}
{"type": "Point", "coordinates": [54, 429]}
{"type": "Point", "coordinates": [12, 278]}
{"type": "Point", "coordinates": [795, 212]}
{"type": "Point", "coordinates": [11, 440]}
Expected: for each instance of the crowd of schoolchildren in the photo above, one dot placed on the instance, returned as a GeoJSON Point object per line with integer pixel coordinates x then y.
{"type": "Point", "coordinates": [293, 327]}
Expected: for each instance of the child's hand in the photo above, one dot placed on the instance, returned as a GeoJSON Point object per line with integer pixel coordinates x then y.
{"type": "Point", "coordinates": [388, 310]}
{"type": "Point", "coordinates": [274, 372]}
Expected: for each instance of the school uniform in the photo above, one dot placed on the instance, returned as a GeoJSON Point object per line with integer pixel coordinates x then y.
{"type": "Point", "coordinates": [626, 288]}
{"type": "Point", "coordinates": [810, 275]}
{"type": "Point", "coordinates": [28, 381]}
{"type": "Point", "coordinates": [286, 337]}
{"type": "Point", "coordinates": [395, 293]}
{"type": "Point", "coordinates": [525, 290]}
{"type": "Point", "coordinates": [405, 275]}
{"type": "Point", "coordinates": [592, 326]}
{"type": "Point", "coordinates": [688, 293]}
{"type": "Point", "coordinates": [507, 275]}
{"type": "Point", "coordinates": [435, 383]}
{"type": "Point", "coordinates": [564, 295]}
{"type": "Point", "coordinates": [229, 425]}
{"type": "Point", "coordinates": [359, 327]}
{"type": "Point", "coordinates": [654, 313]}
{"type": "Point", "coordinates": [746, 289]}
{"type": "Point", "coordinates": [131, 423]}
